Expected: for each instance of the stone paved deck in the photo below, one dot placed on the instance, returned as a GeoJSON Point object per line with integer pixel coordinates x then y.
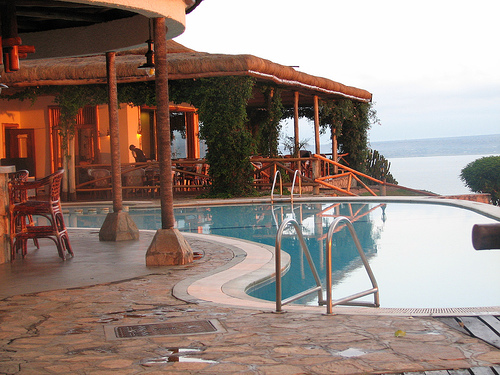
{"type": "Point", "coordinates": [62, 332]}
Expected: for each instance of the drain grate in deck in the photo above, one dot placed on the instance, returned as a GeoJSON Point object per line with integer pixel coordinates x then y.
{"type": "Point", "coordinates": [195, 327]}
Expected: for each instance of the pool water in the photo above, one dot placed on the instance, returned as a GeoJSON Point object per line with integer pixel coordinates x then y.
{"type": "Point", "coordinates": [421, 254]}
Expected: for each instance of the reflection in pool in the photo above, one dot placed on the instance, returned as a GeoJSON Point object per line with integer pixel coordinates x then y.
{"type": "Point", "coordinates": [421, 254]}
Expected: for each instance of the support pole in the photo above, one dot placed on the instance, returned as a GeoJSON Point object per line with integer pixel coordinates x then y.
{"type": "Point", "coordinates": [296, 151]}
{"type": "Point", "coordinates": [168, 246]}
{"type": "Point", "coordinates": [335, 147]}
{"type": "Point", "coordinates": [316, 125]}
{"type": "Point", "coordinates": [118, 225]}
{"type": "Point", "coordinates": [114, 133]}
{"type": "Point", "coordinates": [316, 168]}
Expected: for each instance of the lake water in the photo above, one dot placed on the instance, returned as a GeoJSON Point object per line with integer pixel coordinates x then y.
{"type": "Point", "coordinates": [435, 164]}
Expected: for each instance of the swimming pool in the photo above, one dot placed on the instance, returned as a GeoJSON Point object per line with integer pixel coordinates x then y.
{"type": "Point", "coordinates": [421, 254]}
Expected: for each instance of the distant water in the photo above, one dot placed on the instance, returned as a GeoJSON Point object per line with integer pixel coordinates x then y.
{"type": "Point", "coordinates": [435, 164]}
{"type": "Point", "coordinates": [472, 145]}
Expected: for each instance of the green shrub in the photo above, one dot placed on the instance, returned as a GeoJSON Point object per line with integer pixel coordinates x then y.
{"type": "Point", "coordinates": [483, 176]}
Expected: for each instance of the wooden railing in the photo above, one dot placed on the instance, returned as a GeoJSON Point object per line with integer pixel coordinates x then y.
{"type": "Point", "coordinates": [141, 179]}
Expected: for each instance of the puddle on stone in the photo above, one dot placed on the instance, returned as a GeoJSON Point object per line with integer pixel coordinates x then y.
{"type": "Point", "coordinates": [77, 331]}
{"type": "Point", "coordinates": [351, 352]}
{"type": "Point", "coordinates": [177, 355]}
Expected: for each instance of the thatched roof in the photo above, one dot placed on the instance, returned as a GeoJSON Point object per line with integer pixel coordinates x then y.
{"type": "Point", "coordinates": [183, 63]}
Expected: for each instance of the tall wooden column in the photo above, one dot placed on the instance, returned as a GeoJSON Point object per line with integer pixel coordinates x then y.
{"type": "Point", "coordinates": [296, 151]}
{"type": "Point", "coordinates": [168, 246]}
{"type": "Point", "coordinates": [335, 147]}
{"type": "Point", "coordinates": [118, 225]}
{"type": "Point", "coordinates": [316, 166]}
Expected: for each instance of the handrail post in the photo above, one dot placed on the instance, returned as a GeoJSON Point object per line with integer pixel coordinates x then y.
{"type": "Point", "coordinates": [374, 290]}
{"type": "Point", "coordinates": [297, 172]}
{"type": "Point", "coordinates": [274, 184]}
{"type": "Point", "coordinates": [277, 255]}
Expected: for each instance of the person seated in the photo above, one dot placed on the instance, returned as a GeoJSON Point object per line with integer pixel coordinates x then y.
{"type": "Point", "coordinates": [138, 154]}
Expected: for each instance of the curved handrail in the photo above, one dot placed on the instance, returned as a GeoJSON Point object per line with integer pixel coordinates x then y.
{"type": "Point", "coordinates": [374, 290]}
{"type": "Point", "coordinates": [277, 256]}
{"type": "Point", "coordinates": [274, 184]}
{"type": "Point", "coordinates": [297, 172]}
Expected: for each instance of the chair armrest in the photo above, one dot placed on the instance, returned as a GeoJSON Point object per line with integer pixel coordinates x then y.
{"type": "Point", "coordinates": [31, 184]}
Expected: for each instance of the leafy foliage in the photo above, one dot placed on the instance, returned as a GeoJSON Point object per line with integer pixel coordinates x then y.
{"type": "Point", "coordinates": [483, 176]}
{"type": "Point", "coordinates": [351, 122]}
{"type": "Point", "coordinates": [221, 104]}
{"type": "Point", "coordinates": [265, 122]}
{"type": "Point", "coordinates": [232, 133]}
{"type": "Point", "coordinates": [70, 99]}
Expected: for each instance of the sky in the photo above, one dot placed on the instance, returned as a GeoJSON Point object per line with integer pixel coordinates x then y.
{"type": "Point", "coordinates": [433, 66]}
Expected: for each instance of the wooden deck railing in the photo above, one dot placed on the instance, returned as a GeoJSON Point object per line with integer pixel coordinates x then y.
{"type": "Point", "coordinates": [143, 179]}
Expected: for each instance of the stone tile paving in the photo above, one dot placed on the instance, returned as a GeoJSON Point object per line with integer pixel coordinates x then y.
{"type": "Point", "coordinates": [62, 332]}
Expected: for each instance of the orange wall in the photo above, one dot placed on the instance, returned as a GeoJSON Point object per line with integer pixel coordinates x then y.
{"type": "Point", "coordinates": [128, 120]}
{"type": "Point", "coordinates": [29, 116]}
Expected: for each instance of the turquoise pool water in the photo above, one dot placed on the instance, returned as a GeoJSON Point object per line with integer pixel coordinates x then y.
{"type": "Point", "coordinates": [421, 254]}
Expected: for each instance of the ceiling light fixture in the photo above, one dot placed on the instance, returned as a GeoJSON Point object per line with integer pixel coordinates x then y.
{"type": "Point", "coordinates": [149, 65]}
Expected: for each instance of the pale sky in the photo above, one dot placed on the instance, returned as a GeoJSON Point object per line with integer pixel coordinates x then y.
{"type": "Point", "coordinates": [433, 66]}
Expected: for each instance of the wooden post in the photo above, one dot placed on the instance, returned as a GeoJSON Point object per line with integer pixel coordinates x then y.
{"type": "Point", "coordinates": [118, 225]}
{"type": "Point", "coordinates": [316, 125]}
{"type": "Point", "coordinates": [296, 151]}
{"type": "Point", "coordinates": [163, 125]}
{"type": "Point", "coordinates": [316, 168]}
{"type": "Point", "coordinates": [192, 135]}
{"type": "Point", "coordinates": [335, 147]}
{"type": "Point", "coordinates": [168, 246]}
{"type": "Point", "coordinates": [71, 171]}
{"type": "Point", "coordinates": [114, 133]}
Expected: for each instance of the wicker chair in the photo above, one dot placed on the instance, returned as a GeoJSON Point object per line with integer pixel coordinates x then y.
{"type": "Point", "coordinates": [133, 182]}
{"type": "Point", "coordinates": [55, 229]}
{"type": "Point", "coordinates": [102, 181]}
{"type": "Point", "coordinates": [18, 196]}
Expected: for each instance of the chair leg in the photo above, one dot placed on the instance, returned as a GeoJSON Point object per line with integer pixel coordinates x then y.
{"type": "Point", "coordinates": [67, 244]}
{"type": "Point", "coordinates": [32, 223]}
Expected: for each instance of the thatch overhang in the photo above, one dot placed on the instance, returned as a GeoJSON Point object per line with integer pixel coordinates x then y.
{"type": "Point", "coordinates": [184, 63]}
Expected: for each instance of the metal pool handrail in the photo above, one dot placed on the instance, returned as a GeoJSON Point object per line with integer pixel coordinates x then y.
{"type": "Point", "coordinates": [318, 288]}
{"type": "Point", "coordinates": [274, 184]}
{"type": "Point", "coordinates": [348, 300]}
{"type": "Point", "coordinates": [296, 173]}
{"type": "Point", "coordinates": [277, 256]}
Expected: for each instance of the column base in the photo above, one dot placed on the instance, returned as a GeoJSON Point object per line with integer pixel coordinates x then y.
{"type": "Point", "coordinates": [168, 248]}
{"type": "Point", "coordinates": [118, 226]}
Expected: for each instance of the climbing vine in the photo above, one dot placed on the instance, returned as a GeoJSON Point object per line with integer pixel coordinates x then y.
{"type": "Point", "coordinates": [231, 130]}
{"type": "Point", "coordinates": [70, 99]}
{"type": "Point", "coordinates": [265, 123]}
{"type": "Point", "coordinates": [351, 121]}
{"type": "Point", "coordinates": [221, 104]}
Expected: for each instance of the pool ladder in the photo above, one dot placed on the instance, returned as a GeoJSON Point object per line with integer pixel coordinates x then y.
{"type": "Point", "coordinates": [295, 175]}
{"type": "Point", "coordinates": [329, 302]}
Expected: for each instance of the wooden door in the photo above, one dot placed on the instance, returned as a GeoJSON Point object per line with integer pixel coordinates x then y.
{"type": "Point", "coordinates": [20, 149]}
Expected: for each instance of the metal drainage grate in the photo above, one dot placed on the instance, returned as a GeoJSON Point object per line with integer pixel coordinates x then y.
{"type": "Point", "coordinates": [196, 327]}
